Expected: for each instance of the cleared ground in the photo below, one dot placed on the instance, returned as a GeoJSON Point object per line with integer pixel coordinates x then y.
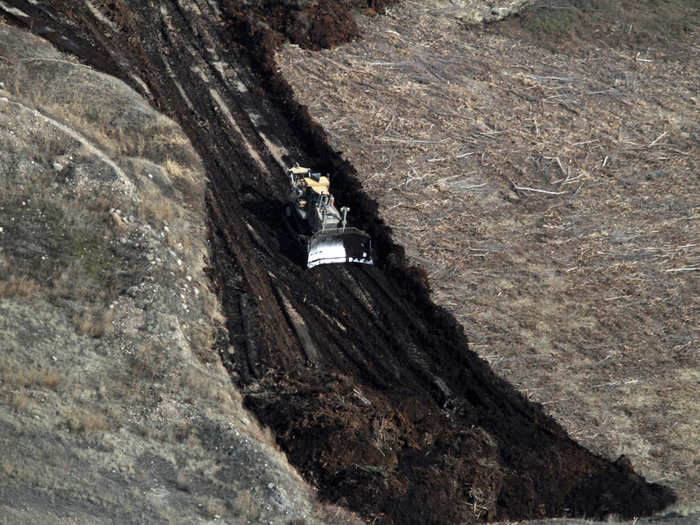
{"type": "Point", "coordinates": [544, 171]}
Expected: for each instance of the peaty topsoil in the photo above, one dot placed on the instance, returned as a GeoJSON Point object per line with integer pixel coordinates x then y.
{"type": "Point", "coordinates": [369, 387]}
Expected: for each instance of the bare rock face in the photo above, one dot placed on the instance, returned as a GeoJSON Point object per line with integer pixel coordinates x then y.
{"type": "Point", "coordinates": [478, 11]}
{"type": "Point", "coordinates": [114, 405]}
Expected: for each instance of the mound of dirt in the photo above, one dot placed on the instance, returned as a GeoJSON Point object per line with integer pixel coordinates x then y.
{"type": "Point", "coordinates": [392, 414]}
{"type": "Point", "coordinates": [313, 25]}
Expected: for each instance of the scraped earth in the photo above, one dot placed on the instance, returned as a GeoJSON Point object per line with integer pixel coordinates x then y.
{"type": "Point", "coordinates": [384, 408]}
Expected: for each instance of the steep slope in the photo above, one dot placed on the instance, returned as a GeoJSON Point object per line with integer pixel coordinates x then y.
{"type": "Point", "coordinates": [396, 417]}
{"type": "Point", "coordinates": [114, 405]}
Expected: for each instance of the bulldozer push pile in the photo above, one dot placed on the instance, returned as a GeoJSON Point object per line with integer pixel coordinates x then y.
{"type": "Point", "coordinates": [320, 228]}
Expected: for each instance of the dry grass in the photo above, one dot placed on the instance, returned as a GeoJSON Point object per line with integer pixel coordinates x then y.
{"type": "Point", "coordinates": [202, 385]}
{"type": "Point", "coordinates": [31, 379]}
{"type": "Point", "coordinates": [20, 402]}
{"type": "Point", "coordinates": [177, 171]}
{"type": "Point", "coordinates": [125, 128]}
{"type": "Point", "coordinates": [46, 145]}
{"type": "Point", "coordinates": [91, 129]}
{"type": "Point", "coordinates": [15, 375]}
{"type": "Point", "coordinates": [19, 287]}
{"type": "Point", "coordinates": [86, 421]}
{"type": "Point", "coordinates": [18, 388]}
{"type": "Point", "coordinates": [645, 23]}
{"type": "Point", "coordinates": [94, 322]}
{"type": "Point", "coordinates": [186, 182]}
{"type": "Point", "coordinates": [92, 156]}
{"type": "Point", "coordinates": [156, 209]}
{"type": "Point", "coordinates": [553, 200]}
{"type": "Point", "coordinates": [55, 221]}
{"type": "Point", "coordinates": [149, 361]}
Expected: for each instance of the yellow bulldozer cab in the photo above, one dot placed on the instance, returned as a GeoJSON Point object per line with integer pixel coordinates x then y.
{"type": "Point", "coordinates": [322, 186]}
{"type": "Point", "coordinates": [301, 176]}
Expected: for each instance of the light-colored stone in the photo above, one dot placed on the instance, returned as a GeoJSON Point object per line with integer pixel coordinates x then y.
{"type": "Point", "coordinates": [478, 11]}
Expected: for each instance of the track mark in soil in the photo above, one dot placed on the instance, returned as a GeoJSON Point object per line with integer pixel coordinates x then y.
{"type": "Point", "coordinates": [398, 419]}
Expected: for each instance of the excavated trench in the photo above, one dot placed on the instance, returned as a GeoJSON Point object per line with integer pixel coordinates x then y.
{"type": "Point", "coordinates": [369, 387]}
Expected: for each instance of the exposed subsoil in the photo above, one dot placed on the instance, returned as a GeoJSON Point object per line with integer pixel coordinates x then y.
{"type": "Point", "coordinates": [369, 387]}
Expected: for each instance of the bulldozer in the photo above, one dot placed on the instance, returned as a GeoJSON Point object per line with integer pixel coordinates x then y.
{"type": "Point", "coordinates": [319, 226]}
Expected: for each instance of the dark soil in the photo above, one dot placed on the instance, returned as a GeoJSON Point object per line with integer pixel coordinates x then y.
{"type": "Point", "coordinates": [313, 25]}
{"type": "Point", "coordinates": [385, 410]}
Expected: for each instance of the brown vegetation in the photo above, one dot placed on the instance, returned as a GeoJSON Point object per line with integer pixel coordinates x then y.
{"type": "Point", "coordinates": [30, 379]}
{"type": "Point", "coordinates": [86, 421]}
{"type": "Point", "coordinates": [18, 286]}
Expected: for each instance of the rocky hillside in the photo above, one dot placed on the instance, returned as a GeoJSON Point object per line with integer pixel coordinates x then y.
{"type": "Point", "coordinates": [114, 404]}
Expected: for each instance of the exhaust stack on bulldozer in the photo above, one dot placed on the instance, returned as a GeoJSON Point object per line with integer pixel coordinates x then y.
{"type": "Point", "coordinates": [319, 226]}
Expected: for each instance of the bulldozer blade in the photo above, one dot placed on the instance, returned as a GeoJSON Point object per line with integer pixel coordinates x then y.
{"type": "Point", "coordinates": [343, 245]}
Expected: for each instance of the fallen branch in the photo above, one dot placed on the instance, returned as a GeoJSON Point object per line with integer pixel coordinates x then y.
{"type": "Point", "coordinates": [462, 155]}
{"type": "Point", "coordinates": [658, 138]}
{"type": "Point", "coordinates": [585, 142]}
{"type": "Point", "coordinates": [560, 79]}
{"type": "Point", "coordinates": [410, 141]}
{"type": "Point", "coordinates": [536, 190]}
{"type": "Point", "coordinates": [564, 172]}
{"type": "Point", "coordinates": [618, 383]}
{"type": "Point", "coordinates": [684, 269]}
